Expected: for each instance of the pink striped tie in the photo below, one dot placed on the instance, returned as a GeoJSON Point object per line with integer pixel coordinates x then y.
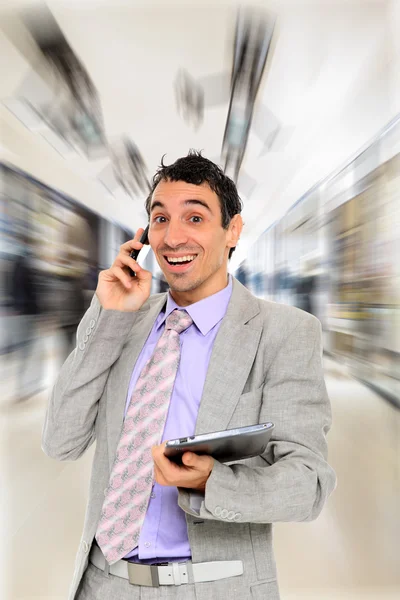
{"type": "Point", "coordinates": [131, 479]}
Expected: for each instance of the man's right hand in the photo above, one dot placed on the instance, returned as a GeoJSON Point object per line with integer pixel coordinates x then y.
{"type": "Point", "coordinates": [116, 289]}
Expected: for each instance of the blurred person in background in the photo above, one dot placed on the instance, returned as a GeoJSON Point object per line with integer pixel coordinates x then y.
{"type": "Point", "coordinates": [24, 304]}
{"type": "Point", "coordinates": [72, 304]}
{"type": "Point", "coordinates": [91, 276]}
{"type": "Point", "coordinates": [242, 273]}
{"type": "Point", "coordinates": [305, 287]}
{"type": "Point", "coordinates": [207, 355]}
{"type": "Point", "coordinates": [282, 284]}
{"type": "Point", "coordinates": [258, 283]}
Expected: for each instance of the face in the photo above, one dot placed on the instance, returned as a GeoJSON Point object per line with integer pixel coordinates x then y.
{"type": "Point", "coordinates": [188, 239]}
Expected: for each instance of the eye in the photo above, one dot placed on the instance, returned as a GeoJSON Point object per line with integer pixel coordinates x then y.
{"type": "Point", "coordinates": [196, 219]}
{"type": "Point", "coordinates": [159, 219]}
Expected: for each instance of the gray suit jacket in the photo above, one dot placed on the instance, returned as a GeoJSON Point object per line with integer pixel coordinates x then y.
{"type": "Point", "coordinates": [265, 366]}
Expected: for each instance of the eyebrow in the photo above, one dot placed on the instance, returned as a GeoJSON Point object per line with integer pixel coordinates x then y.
{"type": "Point", "coordinates": [159, 204]}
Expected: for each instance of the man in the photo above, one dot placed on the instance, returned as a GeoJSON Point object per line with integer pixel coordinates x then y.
{"type": "Point", "coordinates": [204, 357]}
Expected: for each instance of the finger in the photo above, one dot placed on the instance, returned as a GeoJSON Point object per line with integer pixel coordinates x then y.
{"type": "Point", "coordinates": [135, 243]}
{"type": "Point", "coordinates": [158, 476]}
{"type": "Point", "coordinates": [162, 474]}
{"type": "Point", "coordinates": [169, 469]}
{"type": "Point", "coordinates": [189, 459]}
{"type": "Point", "coordinates": [138, 234]}
{"type": "Point", "coordinates": [196, 461]}
{"type": "Point", "coordinates": [161, 460]}
{"type": "Point", "coordinates": [131, 245]}
{"type": "Point", "coordinates": [155, 454]}
{"type": "Point", "coordinates": [159, 457]}
{"type": "Point", "coordinates": [123, 277]}
{"type": "Point", "coordinates": [124, 260]}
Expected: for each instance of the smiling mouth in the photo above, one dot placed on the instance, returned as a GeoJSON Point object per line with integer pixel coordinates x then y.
{"type": "Point", "coordinates": [180, 260]}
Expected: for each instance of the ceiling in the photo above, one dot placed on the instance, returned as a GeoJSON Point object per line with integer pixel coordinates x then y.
{"type": "Point", "coordinates": [321, 54]}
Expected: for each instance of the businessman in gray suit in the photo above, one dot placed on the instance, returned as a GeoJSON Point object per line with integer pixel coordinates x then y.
{"type": "Point", "coordinates": [205, 356]}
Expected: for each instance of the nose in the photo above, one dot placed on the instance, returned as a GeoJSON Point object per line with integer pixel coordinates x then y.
{"type": "Point", "coordinates": [175, 234]}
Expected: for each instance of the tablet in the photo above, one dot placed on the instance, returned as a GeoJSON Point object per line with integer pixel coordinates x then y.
{"type": "Point", "coordinates": [224, 446]}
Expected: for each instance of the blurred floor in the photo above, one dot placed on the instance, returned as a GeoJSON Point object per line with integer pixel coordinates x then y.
{"type": "Point", "coordinates": [349, 553]}
{"type": "Point", "coordinates": [352, 551]}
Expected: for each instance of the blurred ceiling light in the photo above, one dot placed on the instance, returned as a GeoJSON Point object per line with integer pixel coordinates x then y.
{"type": "Point", "coordinates": [246, 184]}
{"type": "Point", "coordinates": [254, 30]}
{"type": "Point", "coordinates": [129, 167]}
{"type": "Point", "coordinates": [25, 113]}
{"type": "Point", "coordinates": [57, 142]}
{"type": "Point", "coordinates": [79, 117]}
{"type": "Point", "coordinates": [34, 121]}
{"type": "Point", "coordinates": [189, 98]}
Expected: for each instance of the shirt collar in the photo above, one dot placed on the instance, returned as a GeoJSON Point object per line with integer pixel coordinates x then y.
{"type": "Point", "coordinates": [207, 312]}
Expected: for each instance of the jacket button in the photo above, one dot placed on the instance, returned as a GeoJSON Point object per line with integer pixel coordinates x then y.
{"type": "Point", "coordinates": [85, 547]}
{"type": "Point", "coordinates": [237, 517]}
{"type": "Point", "coordinates": [85, 339]}
{"type": "Point", "coordinates": [224, 514]}
{"type": "Point", "coordinates": [81, 346]}
{"type": "Point", "coordinates": [231, 515]}
{"type": "Point", "coordinates": [88, 331]}
{"type": "Point", "coordinates": [92, 323]}
{"type": "Point", "coordinates": [217, 511]}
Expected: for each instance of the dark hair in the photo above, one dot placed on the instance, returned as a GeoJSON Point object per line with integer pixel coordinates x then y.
{"type": "Point", "coordinates": [196, 169]}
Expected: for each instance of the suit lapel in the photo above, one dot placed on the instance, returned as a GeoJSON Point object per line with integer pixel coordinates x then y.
{"type": "Point", "coordinates": [232, 357]}
{"type": "Point", "coordinates": [123, 368]}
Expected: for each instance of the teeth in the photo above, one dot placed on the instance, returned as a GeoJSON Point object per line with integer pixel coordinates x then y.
{"type": "Point", "coordinates": [181, 259]}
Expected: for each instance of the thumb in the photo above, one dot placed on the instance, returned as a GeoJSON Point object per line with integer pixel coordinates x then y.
{"type": "Point", "coordinates": [190, 459]}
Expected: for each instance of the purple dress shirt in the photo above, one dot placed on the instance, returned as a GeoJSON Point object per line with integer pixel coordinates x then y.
{"type": "Point", "coordinates": [164, 533]}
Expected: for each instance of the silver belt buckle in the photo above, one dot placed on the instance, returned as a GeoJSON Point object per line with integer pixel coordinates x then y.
{"type": "Point", "coordinates": [143, 575]}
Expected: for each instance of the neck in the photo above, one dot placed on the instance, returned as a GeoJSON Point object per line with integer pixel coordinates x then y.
{"type": "Point", "coordinates": [204, 290]}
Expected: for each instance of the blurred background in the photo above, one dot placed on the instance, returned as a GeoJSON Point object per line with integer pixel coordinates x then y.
{"type": "Point", "coordinates": [299, 102]}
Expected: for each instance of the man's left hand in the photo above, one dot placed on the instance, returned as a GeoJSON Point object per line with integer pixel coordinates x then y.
{"type": "Point", "coordinates": [193, 473]}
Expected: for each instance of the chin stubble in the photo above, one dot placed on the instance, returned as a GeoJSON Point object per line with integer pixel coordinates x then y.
{"type": "Point", "coordinates": [188, 287]}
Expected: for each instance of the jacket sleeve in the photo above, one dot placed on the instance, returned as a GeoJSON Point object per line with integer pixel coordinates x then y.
{"type": "Point", "coordinates": [296, 480]}
{"type": "Point", "coordinates": [69, 427]}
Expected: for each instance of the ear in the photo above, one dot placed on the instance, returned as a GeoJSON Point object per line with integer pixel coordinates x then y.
{"type": "Point", "coordinates": [234, 231]}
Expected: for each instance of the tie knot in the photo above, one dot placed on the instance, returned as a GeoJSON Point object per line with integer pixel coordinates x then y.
{"type": "Point", "coordinates": [178, 320]}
